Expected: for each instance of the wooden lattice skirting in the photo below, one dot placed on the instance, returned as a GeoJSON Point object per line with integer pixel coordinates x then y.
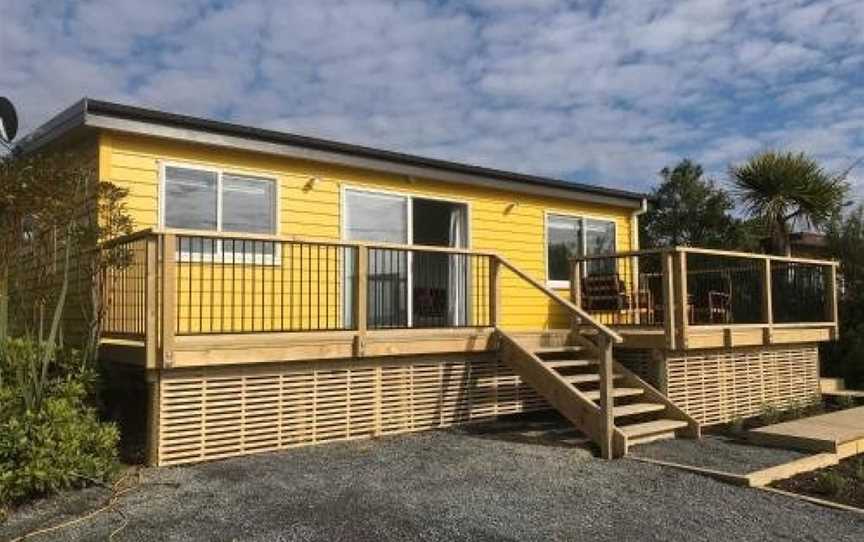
{"type": "Point", "coordinates": [716, 386]}
{"type": "Point", "coordinates": [210, 413]}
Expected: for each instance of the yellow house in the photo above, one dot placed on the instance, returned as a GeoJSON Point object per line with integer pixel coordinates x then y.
{"type": "Point", "coordinates": [287, 290]}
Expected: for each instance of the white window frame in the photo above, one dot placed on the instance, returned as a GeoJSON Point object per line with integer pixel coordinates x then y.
{"type": "Point", "coordinates": [565, 284]}
{"type": "Point", "coordinates": [219, 255]}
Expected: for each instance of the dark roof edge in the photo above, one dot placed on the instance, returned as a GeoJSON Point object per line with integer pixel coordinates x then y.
{"type": "Point", "coordinates": [68, 119]}
{"type": "Point", "coordinates": [80, 111]}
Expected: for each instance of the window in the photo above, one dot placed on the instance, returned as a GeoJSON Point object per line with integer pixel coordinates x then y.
{"type": "Point", "coordinates": [570, 236]}
{"type": "Point", "coordinates": [376, 217]}
{"type": "Point", "coordinates": [191, 199]}
{"type": "Point", "coordinates": [563, 241]}
{"type": "Point", "coordinates": [212, 200]}
{"type": "Point", "coordinates": [248, 205]}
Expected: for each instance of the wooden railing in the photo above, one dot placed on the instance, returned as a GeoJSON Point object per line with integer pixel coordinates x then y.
{"type": "Point", "coordinates": [199, 283]}
{"type": "Point", "coordinates": [180, 283]}
{"type": "Point", "coordinates": [681, 288]}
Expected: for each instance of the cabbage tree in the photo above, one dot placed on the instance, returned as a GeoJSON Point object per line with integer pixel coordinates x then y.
{"type": "Point", "coordinates": [785, 190]}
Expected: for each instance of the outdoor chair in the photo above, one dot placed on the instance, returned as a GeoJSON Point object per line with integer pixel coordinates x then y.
{"type": "Point", "coordinates": [607, 292]}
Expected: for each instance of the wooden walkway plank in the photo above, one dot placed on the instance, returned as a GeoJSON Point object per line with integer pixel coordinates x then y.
{"type": "Point", "coordinates": [840, 432]}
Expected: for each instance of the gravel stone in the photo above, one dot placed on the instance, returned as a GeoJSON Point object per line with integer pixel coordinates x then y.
{"type": "Point", "coordinates": [718, 453]}
{"type": "Point", "coordinates": [515, 479]}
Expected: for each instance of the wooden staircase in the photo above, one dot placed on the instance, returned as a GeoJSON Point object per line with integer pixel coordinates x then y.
{"type": "Point", "coordinates": [579, 377]}
{"type": "Point", "coordinates": [571, 379]}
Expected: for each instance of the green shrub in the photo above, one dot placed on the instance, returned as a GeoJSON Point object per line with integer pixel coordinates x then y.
{"type": "Point", "coordinates": [54, 443]}
{"type": "Point", "coordinates": [859, 470]}
{"type": "Point", "coordinates": [770, 415]}
{"type": "Point", "coordinates": [845, 401]}
{"type": "Point", "coordinates": [831, 482]}
{"type": "Point", "coordinates": [794, 411]}
{"type": "Point", "coordinates": [736, 426]}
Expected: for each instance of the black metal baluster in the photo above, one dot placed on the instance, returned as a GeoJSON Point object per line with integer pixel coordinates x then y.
{"type": "Point", "coordinates": [281, 247]}
{"type": "Point", "coordinates": [221, 246]}
{"type": "Point", "coordinates": [243, 285]}
{"type": "Point", "coordinates": [318, 283]}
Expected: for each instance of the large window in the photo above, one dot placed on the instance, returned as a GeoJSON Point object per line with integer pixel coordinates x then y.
{"type": "Point", "coordinates": [198, 199]}
{"type": "Point", "coordinates": [212, 200]}
{"type": "Point", "coordinates": [570, 236]}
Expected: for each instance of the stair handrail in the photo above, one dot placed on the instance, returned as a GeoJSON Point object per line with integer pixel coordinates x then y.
{"type": "Point", "coordinates": [585, 317]}
{"type": "Point", "coordinates": [612, 440]}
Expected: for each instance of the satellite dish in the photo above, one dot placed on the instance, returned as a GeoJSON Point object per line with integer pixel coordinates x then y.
{"type": "Point", "coordinates": [8, 120]}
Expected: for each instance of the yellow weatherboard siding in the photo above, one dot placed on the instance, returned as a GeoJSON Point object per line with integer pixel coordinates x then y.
{"type": "Point", "coordinates": [517, 232]}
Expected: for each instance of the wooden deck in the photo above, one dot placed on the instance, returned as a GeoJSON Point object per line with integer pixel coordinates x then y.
{"type": "Point", "coordinates": [684, 298]}
{"type": "Point", "coordinates": [841, 433]}
{"type": "Point", "coordinates": [235, 333]}
{"type": "Point", "coordinates": [728, 335]}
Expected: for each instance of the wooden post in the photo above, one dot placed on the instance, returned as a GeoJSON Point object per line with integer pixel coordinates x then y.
{"type": "Point", "coordinates": [831, 300]}
{"type": "Point", "coordinates": [377, 406]}
{"type": "Point", "coordinates": [169, 297]}
{"type": "Point", "coordinates": [494, 291]}
{"type": "Point", "coordinates": [668, 299]}
{"type": "Point", "coordinates": [153, 411]}
{"type": "Point", "coordinates": [767, 302]}
{"type": "Point", "coordinates": [151, 306]}
{"type": "Point", "coordinates": [361, 292]}
{"type": "Point", "coordinates": [634, 272]}
{"type": "Point", "coordinates": [576, 291]}
{"type": "Point", "coordinates": [607, 399]}
{"type": "Point", "coordinates": [682, 316]}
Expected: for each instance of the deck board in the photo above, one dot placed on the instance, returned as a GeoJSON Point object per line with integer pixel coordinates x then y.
{"type": "Point", "coordinates": [839, 432]}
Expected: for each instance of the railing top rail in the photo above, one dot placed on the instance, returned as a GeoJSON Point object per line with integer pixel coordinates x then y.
{"type": "Point", "coordinates": [706, 251]}
{"type": "Point", "coordinates": [623, 254]}
{"type": "Point", "coordinates": [563, 302]}
{"type": "Point", "coordinates": [754, 256]}
{"type": "Point", "coordinates": [123, 239]}
{"type": "Point", "coordinates": [296, 239]}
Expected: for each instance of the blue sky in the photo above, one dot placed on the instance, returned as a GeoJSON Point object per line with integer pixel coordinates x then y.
{"type": "Point", "coordinates": [602, 92]}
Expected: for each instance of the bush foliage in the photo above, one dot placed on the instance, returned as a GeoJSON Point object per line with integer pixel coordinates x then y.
{"type": "Point", "coordinates": [846, 240]}
{"type": "Point", "coordinates": [50, 437]}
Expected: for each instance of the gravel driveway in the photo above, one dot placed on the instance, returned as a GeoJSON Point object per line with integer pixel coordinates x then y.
{"type": "Point", "coordinates": [527, 479]}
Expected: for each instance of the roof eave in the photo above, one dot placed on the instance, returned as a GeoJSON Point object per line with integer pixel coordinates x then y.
{"type": "Point", "coordinates": [117, 117]}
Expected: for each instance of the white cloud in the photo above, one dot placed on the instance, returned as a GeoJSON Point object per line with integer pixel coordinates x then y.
{"type": "Point", "coordinates": [605, 92]}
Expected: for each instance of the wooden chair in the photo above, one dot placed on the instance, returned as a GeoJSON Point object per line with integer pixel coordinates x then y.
{"type": "Point", "coordinates": [719, 307]}
{"type": "Point", "coordinates": [607, 292]}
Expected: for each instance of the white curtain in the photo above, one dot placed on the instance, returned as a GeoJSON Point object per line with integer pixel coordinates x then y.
{"type": "Point", "coordinates": [457, 289]}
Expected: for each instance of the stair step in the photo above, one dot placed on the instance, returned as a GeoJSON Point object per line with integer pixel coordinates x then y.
{"type": "Point", "coordinates": [585, 378]}
{"type": "Point", "coordinates": [557, 349]}
{"type": "Point", "coordinates": [637, 408]}
{"type": "Point", "coordinates": [565, 363]}
{"type": "Point", "coordinates": [594, 395]}
{"type": "Point", "coordinates": [637, 430]}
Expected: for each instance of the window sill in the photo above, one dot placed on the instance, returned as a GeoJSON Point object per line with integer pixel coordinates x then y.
{"type": "Point", "coordinates": [558, 284]}
{"type": "Point", "coordinates": [229, 258]}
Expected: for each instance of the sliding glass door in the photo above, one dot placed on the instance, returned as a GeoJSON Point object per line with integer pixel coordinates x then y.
{"type": "Point", "coordinates": [382, 218]}
{"type": "Point", "coordinates": [410, 288]}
